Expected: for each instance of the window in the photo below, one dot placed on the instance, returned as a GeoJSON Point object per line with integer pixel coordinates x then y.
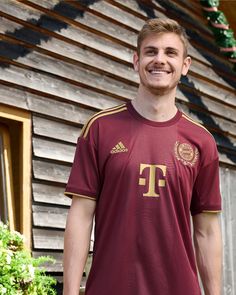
{"type": "Point", "coordinates": [6, 181]}
{"type": "Point", "coordinates": [15, 170]}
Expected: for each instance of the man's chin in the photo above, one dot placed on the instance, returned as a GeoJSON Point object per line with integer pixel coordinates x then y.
{"type": "Point", "coordinates": [160, 88]}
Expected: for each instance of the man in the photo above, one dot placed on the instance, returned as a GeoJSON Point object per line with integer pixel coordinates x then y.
{"type": "Point", "coordinates": [142, 168]}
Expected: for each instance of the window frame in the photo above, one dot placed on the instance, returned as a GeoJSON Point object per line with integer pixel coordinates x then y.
{"type": "Point", "coordinates": [25, 149]}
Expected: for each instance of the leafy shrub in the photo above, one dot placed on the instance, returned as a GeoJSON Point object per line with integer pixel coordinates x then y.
{"type": "Point", "coordinates": [20, 273]}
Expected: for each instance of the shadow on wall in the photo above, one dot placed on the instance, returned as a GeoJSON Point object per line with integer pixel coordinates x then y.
{"type": "Point", "coordinates": [221, 139]}
{"type": "Point", "coordinates": [14, 51]}
{"type": "Point", "coordinates": [59, 288]}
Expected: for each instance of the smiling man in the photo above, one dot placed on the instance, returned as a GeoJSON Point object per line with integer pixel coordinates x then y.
{"type": "Point", "coordinates": [143, 168]}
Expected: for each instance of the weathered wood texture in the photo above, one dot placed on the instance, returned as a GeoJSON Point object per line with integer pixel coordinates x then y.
{"type": "Point", "coordinates": [65, 60]}
{"type": "Point", "coordinates": [228, 221]}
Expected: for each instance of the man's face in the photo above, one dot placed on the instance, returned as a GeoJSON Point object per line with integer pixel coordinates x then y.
{"type": "Point", "coordinates": [161, 62]}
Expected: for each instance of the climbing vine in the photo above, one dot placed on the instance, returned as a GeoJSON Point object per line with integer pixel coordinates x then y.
{"type": "Point", "coordinates": [224, 36]}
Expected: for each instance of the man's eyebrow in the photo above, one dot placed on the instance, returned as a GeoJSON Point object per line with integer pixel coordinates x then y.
{"type": "Point", "coordinates": [150, 47]}
{"type": "Point", "coordinates": [172, 48]}
{"type": "Point", "coordinates": [156, 48]}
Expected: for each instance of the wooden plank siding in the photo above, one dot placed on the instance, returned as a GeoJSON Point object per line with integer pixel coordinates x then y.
{"type": "Point", "coordinates": [65, 60]}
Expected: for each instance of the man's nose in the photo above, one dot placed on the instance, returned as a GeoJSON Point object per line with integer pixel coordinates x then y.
{"type": "Point", "coordinates": [160, 57]}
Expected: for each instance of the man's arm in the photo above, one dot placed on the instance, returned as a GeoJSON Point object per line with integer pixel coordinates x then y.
{"type": "Point", "coordinates": [76, 242]}
{"type": "Point", "coordinates": [208, 246]}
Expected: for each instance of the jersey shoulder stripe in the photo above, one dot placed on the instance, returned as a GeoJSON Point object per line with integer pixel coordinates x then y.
{"type": "Point", "coordinates": [194, 122]}
{"type": "Point", "coordinates": [100, 114]}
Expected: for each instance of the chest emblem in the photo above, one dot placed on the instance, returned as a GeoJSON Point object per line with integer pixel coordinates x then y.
{"type": "Point", "coordinates": [119, 148]}
{"type": "Point", "coordinates": [185, 153]}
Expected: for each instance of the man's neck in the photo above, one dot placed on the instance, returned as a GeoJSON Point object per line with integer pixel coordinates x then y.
{"type": "Point", "coordinates": [155, 107]}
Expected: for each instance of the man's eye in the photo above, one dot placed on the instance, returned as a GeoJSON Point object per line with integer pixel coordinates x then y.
{"type": "Point", "coordinates": [150, 52]}
{"type": "Point", "coordinates": [171, 52]}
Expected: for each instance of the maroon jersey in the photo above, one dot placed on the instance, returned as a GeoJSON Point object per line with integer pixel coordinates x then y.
{"type": "Point", "coordinates": [146, 177]}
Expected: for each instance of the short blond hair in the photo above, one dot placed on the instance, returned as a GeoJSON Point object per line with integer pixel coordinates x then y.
{"type": "Point", "coordinates": [160, 25]}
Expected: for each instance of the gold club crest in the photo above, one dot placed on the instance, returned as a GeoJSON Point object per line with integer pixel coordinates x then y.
{"type": "Point", "coordinates": [185, 153]}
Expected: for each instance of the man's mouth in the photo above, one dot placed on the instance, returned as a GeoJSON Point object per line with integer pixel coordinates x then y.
{"type": "Point", "coordinates": [158, 71]}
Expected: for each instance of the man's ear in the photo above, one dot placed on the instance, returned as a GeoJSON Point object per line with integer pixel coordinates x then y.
{"type": "Point", "coordinates": [136, 61]}
{"type": "Point", "coordinates": [186, 65]}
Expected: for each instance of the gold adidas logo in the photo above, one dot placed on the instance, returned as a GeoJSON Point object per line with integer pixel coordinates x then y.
{"type": "Point", "coordinates": [119, 148]}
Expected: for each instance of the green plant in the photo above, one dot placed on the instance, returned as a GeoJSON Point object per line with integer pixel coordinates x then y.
{"type": "Point", "coordinates": [20, 273]}
{"type": "Point", "coordinates": [218, 23]}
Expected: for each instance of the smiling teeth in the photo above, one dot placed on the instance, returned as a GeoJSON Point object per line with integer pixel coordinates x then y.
{"type": "Point", "coordinates": [158, 71]}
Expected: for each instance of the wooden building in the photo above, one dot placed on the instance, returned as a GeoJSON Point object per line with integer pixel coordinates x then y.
{"type": "Point", "coordinates": [61, 62]}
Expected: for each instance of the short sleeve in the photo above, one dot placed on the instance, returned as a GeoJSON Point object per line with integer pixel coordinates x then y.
{"type": "Point", "coordinates": [206, 191]}
{"type": "Point", "coordinates": [84, 176]}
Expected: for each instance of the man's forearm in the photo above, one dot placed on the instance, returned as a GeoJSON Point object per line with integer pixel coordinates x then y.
{"type": "Point", "coordinates": [75, 255]}
{"type": "Point", "coordinates": [76, 247]}
{"type": "Point", "coordinates": [208, 247]}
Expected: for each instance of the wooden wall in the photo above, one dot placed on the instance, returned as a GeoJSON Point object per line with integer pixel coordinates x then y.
{"type": "Point", "coordinates": [65, 60]}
